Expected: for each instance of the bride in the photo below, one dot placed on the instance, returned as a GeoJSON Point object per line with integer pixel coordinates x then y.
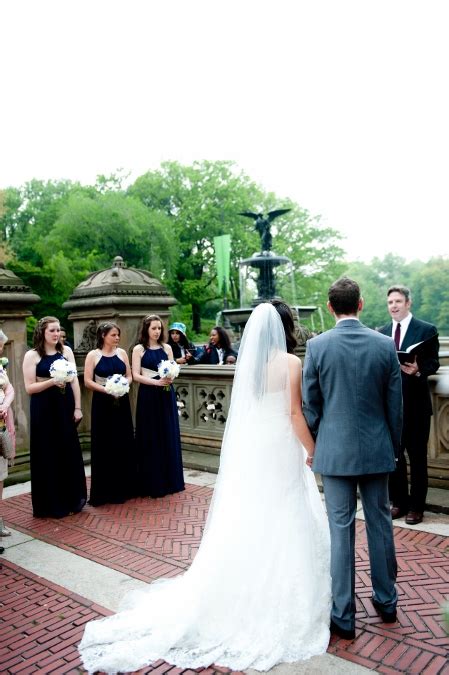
{"type": "Point", "coordinates": [258, 590]}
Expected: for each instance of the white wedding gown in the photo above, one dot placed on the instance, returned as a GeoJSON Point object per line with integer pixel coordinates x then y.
{"type": "Point", "coordinates": [258, 590]}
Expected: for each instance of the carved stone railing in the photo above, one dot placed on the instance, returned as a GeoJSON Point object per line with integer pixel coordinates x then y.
{"type": "Point", "coordinates": [203, 394]}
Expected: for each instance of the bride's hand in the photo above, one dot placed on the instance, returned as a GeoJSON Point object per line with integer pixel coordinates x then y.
{"type": "Point", "coordinates": [309, 460]}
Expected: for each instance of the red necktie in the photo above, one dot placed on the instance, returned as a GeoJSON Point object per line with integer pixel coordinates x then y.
{"type": "Point", "coordinates": [397, 336]}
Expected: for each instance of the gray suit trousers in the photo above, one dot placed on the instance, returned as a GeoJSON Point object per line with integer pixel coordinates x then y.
{"type": "Point", "coordinates": [340, 493]}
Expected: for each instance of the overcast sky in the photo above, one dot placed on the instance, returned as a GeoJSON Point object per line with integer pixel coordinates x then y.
{"type": "Point", "coordinates": [341, 105]}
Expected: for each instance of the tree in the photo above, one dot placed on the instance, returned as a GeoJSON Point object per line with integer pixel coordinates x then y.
{"type": "Point", "coordinates": [430, 293]}
{"type": "Point", "coordinates": [59, 232]}
{"type": "Point", "coordinates": [30, 213]}
{"type": "Point", "coordinates": [429, 284]}
{"type": "Point", "coordinates": [105, 225]}
{"type": "Point", "coordinates": [200, 201]}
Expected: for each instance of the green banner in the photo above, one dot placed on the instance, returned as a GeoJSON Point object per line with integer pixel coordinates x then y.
{"type": "Point", "coordinates": [222, 256]}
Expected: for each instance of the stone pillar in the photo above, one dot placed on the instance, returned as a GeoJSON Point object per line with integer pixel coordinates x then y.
{"type": "Point", "coordinates": [15, 301]}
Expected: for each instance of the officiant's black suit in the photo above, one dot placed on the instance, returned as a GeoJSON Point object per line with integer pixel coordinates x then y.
{"type": "Point", "coordinates": [416, 426]}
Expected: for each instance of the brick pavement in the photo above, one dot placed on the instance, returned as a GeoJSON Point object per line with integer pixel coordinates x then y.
{"type": "Point", "coordinates": [41, 623]}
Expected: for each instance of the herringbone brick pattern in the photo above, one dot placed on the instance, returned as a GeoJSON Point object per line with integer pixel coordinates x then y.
{"type": "Point", "coordinates": [41, 624]}
{"type": "Point", "coordinates": [418, 642]}
{"type": "Point", "coordinates": [146, 538]}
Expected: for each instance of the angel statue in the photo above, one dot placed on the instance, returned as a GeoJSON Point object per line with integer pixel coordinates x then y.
{"type": "Point", "coordinates": [263, 224]}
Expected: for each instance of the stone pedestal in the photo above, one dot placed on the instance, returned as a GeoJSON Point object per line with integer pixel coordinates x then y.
{"type": "Point", "coordinates": [120, 294]}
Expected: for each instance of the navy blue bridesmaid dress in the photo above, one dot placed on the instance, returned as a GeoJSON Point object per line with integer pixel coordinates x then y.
{"type": "Point", "coordinates": [157, 435]}
{"type": "Point", "coordinates": [113, 457]}
{"type": "Point", "coordinates": [58, 483]}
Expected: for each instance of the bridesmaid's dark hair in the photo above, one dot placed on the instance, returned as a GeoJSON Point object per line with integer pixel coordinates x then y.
{"type": "Point", "coordinates": [224, 339]}
{"type": "Point", "coordinates": [39, 335]}
{"type": "Point", "coordinates": [143, 338]}
{"type": "Point", "coordinates": [286, 315]}
{"type": "Point", "coordinates": [103, 329]}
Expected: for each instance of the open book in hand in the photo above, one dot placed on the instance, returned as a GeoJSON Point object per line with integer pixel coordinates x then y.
{"type": "Point", "coordinates": [420, 350]}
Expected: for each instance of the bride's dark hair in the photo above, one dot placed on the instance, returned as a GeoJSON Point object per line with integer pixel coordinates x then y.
{"type": "Point", "coordinates": [286, 315]}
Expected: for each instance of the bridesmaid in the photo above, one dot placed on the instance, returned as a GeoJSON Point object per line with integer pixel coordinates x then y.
{"type": "Point", "coordinates": [113, 469]}
{"type": "Point", "coordinates": [157, 424]}
{"type": "Point", "coordinates": [58, 483]}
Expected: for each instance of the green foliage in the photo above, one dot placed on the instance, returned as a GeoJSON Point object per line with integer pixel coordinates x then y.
{"type": "Point", "coordinates": [59, 232]}
{"type": "Point", "coordinates": [41, 282]}
{"type": "Point", "coordinates": [430, 293]}
{"type": "Point", "coordinates": [55, 233]}
{"type": "Point", "coordinates": [201, 201]}
{"type": "Point", "coordinates": [429, 284]}
{"type": "Point", "coordinates": [30, 213]}
{"type": "Point", "coordinates": [105, 225]}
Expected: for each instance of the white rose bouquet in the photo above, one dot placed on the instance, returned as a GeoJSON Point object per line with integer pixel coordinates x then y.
{"type": "Point", "coordinates": [63, 371]}
{"type": "Point", "coordinates": [169, 369]}
{"type": "Point", "coordinates": [116, 385]}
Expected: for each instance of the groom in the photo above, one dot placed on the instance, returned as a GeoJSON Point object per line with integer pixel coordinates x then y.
{"type": "Point", "coordinates": [352, 401]}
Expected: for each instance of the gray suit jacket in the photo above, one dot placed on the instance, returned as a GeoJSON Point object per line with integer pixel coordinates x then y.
{"type": "Point", "coordinates": [352, 398]}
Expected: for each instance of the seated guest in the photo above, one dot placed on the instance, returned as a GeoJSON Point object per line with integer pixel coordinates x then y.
{"type": "Point", "coordinates": [219, 350]}
{"type": "Point", "coordinates": [183, 350]}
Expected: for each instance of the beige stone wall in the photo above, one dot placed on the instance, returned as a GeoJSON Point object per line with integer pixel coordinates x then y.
{"type": "Point", "coordinates": [15, 328]}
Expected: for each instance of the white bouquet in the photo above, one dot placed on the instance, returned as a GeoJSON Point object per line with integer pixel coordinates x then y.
{"type": "Point", "coordinates": [117, 385]}
{"type": "Point", "coordinates": [168, 369]}
{"type": "Point", "coordinates": [63, 371]}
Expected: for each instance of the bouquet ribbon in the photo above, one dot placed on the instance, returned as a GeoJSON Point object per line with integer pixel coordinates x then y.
{"type": "Point", "coordinates": [149, 373]}
{"type": "Point", "coordinates": [100, 380]}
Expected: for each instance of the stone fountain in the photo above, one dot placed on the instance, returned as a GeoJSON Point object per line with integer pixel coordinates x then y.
{"type": "Point", "coordinates": [261, 267]}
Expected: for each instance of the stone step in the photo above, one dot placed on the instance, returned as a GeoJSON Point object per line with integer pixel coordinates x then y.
{"type": "Point", "coordinates": [20, 473]}
{"type": "Point", "coordinates": [201, 461]}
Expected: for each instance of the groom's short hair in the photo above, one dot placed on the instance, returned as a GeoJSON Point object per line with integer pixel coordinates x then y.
{"type": "Point", "coordinates": [344, 296]}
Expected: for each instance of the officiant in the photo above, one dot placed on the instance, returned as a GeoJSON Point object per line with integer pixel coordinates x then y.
{"type": "Point", "coordinates": [406, 331]}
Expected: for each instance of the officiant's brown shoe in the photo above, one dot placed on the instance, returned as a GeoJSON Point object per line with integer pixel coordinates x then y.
{"type": "Point", "coordinates": [397, 512]}
{"type": "Point", "coordinates": [413, 517]}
